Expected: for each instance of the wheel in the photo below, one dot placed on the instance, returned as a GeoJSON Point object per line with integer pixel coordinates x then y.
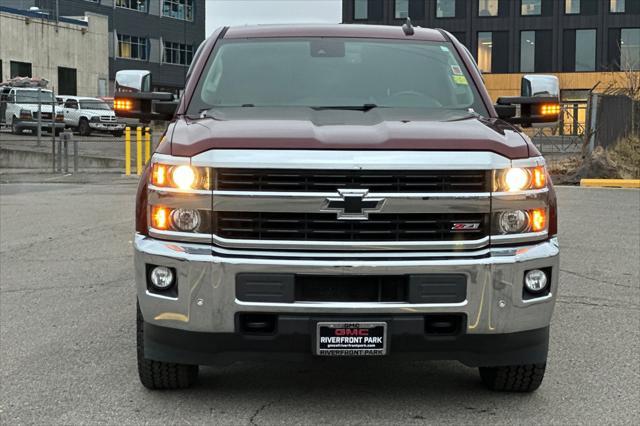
{"type": "Point", "coordinates": [117, 134]}
{"type": "Point", "coordinates": [157, 374]}
{"type": "Point", "coordinates": [15, 130]}
{"type": "Point", "coordinates": [513, 378]}
{"type": "Point", "coordinates": [83, 127]}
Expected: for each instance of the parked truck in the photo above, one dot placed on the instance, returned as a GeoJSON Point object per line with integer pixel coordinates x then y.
{"type": "Point", "coordinates": [348, 191]}
{"type": "Point", "coordinates": [25, 104]}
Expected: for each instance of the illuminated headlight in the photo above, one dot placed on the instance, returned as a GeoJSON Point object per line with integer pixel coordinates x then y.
{"type": "Point", "coordinates": [182, 177]}
{"type": "Point", "coordinates": [520, 179]}
{"type": "Point", "coordinates": [513, 222]}
{"type": "Point", "coordinates": [535, 280]}
{"type": "Point", "coordinates": [162, 277]}
{"type": "Point", "coordinates": [185, 220]}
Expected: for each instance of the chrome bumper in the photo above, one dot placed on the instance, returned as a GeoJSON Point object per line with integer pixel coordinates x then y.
{"type": "Point", "coordinates": [106, 126]}
{"type": "Point", "coordinates": [206, 299]}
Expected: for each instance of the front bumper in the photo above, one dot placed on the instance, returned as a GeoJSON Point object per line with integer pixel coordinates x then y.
{"type": "Point", "coordinates": [33, 125]}
{"type": "Point", "coordinates": [106, 127]}
{"type": "Point", "coordinates": [207, 303]}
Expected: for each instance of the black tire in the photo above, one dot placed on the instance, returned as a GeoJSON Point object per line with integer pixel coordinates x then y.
{"type": "Point", "coordinates": [161, 375]}
{"type": "Point", "coordinates": [117, 133]}
{"type": "Point", "coordinates": [14, 129]}
{"type": "Point", "coordinates": [513, 378]}
{"type": "Point", "coordinates": [83, 127]}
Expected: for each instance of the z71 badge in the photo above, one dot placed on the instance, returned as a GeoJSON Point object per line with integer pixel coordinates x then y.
{"type": "Point", "coordinates": [465, 226]}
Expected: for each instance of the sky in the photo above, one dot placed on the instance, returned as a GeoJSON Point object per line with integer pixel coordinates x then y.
{"type": "Point", "coordinates": [242, 12]}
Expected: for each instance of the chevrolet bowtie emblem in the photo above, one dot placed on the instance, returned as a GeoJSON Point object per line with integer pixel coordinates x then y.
{"type": "Point", "coordinates": [353, 204]}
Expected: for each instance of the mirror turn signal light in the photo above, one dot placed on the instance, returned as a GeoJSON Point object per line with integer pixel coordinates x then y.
{"type": "Point", "coordinates": [121, 104]}
{"type": "Point", "coordinates": [550, 109]}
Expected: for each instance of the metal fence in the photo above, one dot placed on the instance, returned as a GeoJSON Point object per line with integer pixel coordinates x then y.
{"type": "Point", "coordinates": [67, 150]}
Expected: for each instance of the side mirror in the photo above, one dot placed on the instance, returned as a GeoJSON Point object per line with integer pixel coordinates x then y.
{"type": "Point", "coordinates": [539, 102]}
{"type": "Point", "coordinates": [134, 99]}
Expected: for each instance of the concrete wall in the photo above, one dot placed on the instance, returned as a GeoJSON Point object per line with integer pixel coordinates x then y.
{"type": "Point", "coordinates": [47, 46]}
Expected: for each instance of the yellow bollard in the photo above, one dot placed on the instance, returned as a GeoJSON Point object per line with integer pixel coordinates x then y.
{"type": "Point", "coordinates": [138, 150]}
{"type": "Point", "coordinates": [127, 151]}
{"type": "Point", "coordinates": [147, 144]}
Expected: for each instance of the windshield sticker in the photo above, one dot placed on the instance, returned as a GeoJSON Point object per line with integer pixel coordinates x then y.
{"type": "Point", "coordinates": [460, 80]}
{"type": "Point", "coordinates": [455, 69]}
{"type": "Point", "coordinates": [444, 48]}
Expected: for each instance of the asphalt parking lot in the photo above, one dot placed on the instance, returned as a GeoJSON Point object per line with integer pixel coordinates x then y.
{"type": "Point", "coordinates": [67, 342]}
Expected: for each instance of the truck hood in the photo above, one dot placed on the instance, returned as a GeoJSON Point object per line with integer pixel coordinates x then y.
{"type": "Point", "coordinates": [34, 107]}
{"type": "Point", "coordinates": [377, 129]}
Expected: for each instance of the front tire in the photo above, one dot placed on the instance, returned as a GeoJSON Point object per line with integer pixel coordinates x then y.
{"type": "Point", "coordinates": [161, 375]}
{"type": "Point", "coordinates": [117, 133]}
{"type": "Point", "coordinates": [14, 129]}
{"type": "Point", "coordinates": [83, 127]}
{"type": "Point", "coordinates": [513, 378]}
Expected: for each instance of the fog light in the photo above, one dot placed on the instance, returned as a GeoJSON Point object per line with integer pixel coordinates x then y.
{"type": "Point", "coordinates": [514, 221]}
{"type": "Point", "coordinates": [185, 220]}
{"type": "Point", "coordinates": [161, 277]}
{"type": "Point", "coordinates": [535, 280]}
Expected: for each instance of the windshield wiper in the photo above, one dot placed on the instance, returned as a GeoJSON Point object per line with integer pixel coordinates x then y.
{"type": "Point", "coordinates": [365, 107]}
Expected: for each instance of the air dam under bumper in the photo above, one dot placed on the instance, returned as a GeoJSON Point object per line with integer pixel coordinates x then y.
{"type": "Point", "coordinates": [500, 327]}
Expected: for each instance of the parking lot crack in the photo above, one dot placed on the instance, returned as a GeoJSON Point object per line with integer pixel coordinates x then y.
{"type": "Point", "coordinates": [257, 412]}
{"type": "Point", "coordinates": [586, 277]}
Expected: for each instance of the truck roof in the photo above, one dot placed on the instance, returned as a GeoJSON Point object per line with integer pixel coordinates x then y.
{"type": "Point", "coordinates": [332, 30]}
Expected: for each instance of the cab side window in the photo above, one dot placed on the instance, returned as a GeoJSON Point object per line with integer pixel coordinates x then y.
{"type": "Point", "coordinates": [71, 103]}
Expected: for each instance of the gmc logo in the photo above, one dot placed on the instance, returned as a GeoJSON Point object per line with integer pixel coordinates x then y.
{"type": "Point", "coordinates": [351, 332]}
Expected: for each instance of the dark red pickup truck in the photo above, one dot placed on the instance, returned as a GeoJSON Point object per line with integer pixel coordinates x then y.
{"type": "Point", "coordinates": [344, 190]}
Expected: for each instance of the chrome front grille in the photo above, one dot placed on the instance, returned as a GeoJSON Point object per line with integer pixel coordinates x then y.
{"type": "Point", "coordinates": [326, 227]}
{"type": "Point", "coordinates": [45, 115]}
{"type": "Point", "coordinates": [108, 118]}
{"type": "Point", "coordinates": [398, 181]}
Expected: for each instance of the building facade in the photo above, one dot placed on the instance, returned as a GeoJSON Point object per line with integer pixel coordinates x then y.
{"type": "Point", "coordinates": [585, 42]}
{"type": "Point", "coordinates": [72, 53]}
{"type": "Point", "coordinates": [156, 35]}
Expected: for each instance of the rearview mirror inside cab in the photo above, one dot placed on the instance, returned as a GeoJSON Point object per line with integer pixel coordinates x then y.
{"type": "Point", "coordinates": [133, 97]}
{"type": "Point", "coordinates": [539, 102]}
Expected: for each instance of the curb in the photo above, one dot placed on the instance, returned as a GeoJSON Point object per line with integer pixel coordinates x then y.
{"type": "Point", "coordinates": [610, 183]}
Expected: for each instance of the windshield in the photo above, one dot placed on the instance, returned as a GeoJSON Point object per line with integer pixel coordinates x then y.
{"type": "Point", "coordinates": [32, 96]}
{"type": "Point", "coordinates": [335, 72]}
{"type": "Point", "coordinates": [94, 104]}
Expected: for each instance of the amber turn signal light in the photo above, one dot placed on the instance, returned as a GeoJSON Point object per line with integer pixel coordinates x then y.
{"type": "Point", "coordinates": [539, 178]}
{"type": "Point", "coordinates": [550, 109]}
{"type": "Point", "coordinates": [160, 218]}
{"type": "Point", "coordinates": [122, 104]}
{"type": "Point", "coordinates": [538, 220]}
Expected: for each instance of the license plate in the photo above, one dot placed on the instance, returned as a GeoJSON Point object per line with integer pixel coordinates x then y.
{"type": "Point", "coordinates": [351, 338]}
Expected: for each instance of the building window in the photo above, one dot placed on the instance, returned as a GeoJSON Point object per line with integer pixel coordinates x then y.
{"type": "Point", "coordinates": [19, 69]}
{"type": "Point", "coordinates": [402, 9]}
{"type": "Point", "coordinates": [487, 7]}
{"type": "Point", "coordinates": [630, 49]}
{"type": "Point", "coordinates": [445, 8]}
{"type": "Point", "coordinates": [585, 50]}
{"type": "Point", "coordinates": [572, 7]}
{"type": "Point", "coordinates": [132, 47]}
{"type": "Point", "coordinates": [179, 9]}
{"type": "Point", "coordinates": [530, 7]}
{"type": "Point", "coordinates": [177, 53]}
{"type": "Point", "coordinates": [485, 46]}
{"type": "Point", "coordinates": [139, 5]}
{"type": "Point", "coordinates": [616, 6]}
{"type": "Point", "coordinates": [527, 51]}
{"type": "Point", "coordinates": [360, 9]}
{"type": "Point", "coordinates": [67, 81]}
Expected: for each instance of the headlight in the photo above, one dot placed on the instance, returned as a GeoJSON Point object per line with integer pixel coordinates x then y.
{"type": "Point", "coordinates": [185, 220]}
{"type": "Point", "coordinates": [520, 179]}
{"type": "Point", "coordinates": [183, 176]}
{"type": "Point", "coordinates": [520, 221]}
{"type": "Point", "coordinates": [25, 114]}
